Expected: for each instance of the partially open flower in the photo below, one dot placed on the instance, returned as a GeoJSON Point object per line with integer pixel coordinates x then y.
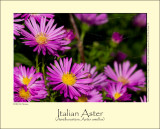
{"type": "Point", "coordinates": [69, 36]}
{"type": "Point", "coordinates": [117, 37]}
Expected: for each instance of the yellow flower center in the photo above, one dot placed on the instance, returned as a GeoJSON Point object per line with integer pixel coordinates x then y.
{"type": "Point", "coordinates": [117, 95]}
{"type": "Point", "coordinates": [123, 80]}
{"type": "Point", "coordinates": [69, 79]}
{"type": "Point", "coordinates": [41, 38]}
{"type": "Point", "coordinates": [26, 80]}
{"type": "Point", "coordinates": [24, 94]}
{"type": "Point", "coordinates": [82, 99]}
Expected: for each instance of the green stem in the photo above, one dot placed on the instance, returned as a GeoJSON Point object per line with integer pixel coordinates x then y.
{"type": "Point", "coordinates": [84, 29]}
{"type": "Point", "coordinates": [37, 67]}
{"type": "Point", "coordinates": [43, 68]}
{"type": "Point", "coordinates": [82, 35]}
{"type": "Point", "coordinates": [44, 75]}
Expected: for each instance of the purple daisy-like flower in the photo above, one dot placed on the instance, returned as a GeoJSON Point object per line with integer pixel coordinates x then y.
{"type": "Point", "coordinates": [26, 75]}
{"type": "Point", "coordinates": [28, 85]}
{"type": "Point", "coordinates": [17, 27]}
{"type": "Point", "coordinates": [37, 16]}
{"type": "Point", "coordinates": [144, 57]}
{"type": "Point", "coordinates": [69, 80]}
{"type": "Point", "coordinates": [45, 37]}
{"type": "Point", "coordinates": [144, 99]}
{"type": "Point", "coordinates": [93, 96]}
{"type": "Point", "coordinates": [117, 37]}
{"type": "Point", "coordinates": [125, 75]}
{"type": "Point", "coordinates": [140, 20]}
{"type": "Point", "coordinates": [117, 92]}
{"type": "Point", "coordinates": [92, 18]}
{"type": "Point", "coordinates": [98, 79]}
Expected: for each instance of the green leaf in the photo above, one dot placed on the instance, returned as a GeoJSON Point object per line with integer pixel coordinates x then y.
{"type": "Point", "coordinates": [20, 58]}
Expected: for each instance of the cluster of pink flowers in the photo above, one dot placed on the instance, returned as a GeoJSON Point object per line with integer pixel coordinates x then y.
{"type": "Point", "coordinates": [76, 82]}
{"type": "Point", "coordinates": [28, 85]}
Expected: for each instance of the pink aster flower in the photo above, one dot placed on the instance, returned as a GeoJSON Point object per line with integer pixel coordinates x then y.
{"type": "Point", "coordinates": [92, 18]}
{"type": "Point", "coordinates": [45, 37]}
{"type": "Point", "coordinates": [144, 57]}
{"type": "Point", "coordinates": [126, 75]}
{"type": "Point", "coordinates": [37, 16]}
{"type": "Point", "coordinates": [27, 75]}
{"type": "Point", "coordinates": [93, 96]}
{"type": "Point", "coordinates": [17, 27]}
{"type": "Point", "coordinates": [69, 80]}
{"type": "Point", "coordinates": [24, 94]}
{"type": "Point", "coordinates": [117, 37]}
{"type": "Point", "coordinates": [144, 99]}
{"type": "Point", "coordinates": [140, 20]}
{"type": "Point", "coordinates": [28, 85]}
{"type": "Point", "coordinates": [98, 79]}
{"type": "Point", "coordinates": [117, 92]}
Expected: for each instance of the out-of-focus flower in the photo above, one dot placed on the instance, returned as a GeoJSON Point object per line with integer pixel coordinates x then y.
{"type": "Point", "coordinates": [117, 92]}
{"type": "Point", "coordinates": [17, 27]}
{"type": "Point", "coordinates": [45, 37]}
{"type": "Point", "coordinates": [28, 85]}
{"type": "Point", "coordinates": [119, 57]}
{"type": "Point", "coordinates": [117, 37]}
{"type": "Point", "coordinates": [140, 20]}
{"type": "Point", "coordinates": [125, 75]}
{"type": "Point", "coordinates": [144, 57]}
{"type": "Point", "coordinates": [144, 99]}
{"type": "Point", "coordinates": [37, 16]}
{"type": "Point", "coordinates": [99, 80]}
{"type": "Point", "coordinates": [92, 18]}
{"type": "Point", "coordinates": [69, 80]}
